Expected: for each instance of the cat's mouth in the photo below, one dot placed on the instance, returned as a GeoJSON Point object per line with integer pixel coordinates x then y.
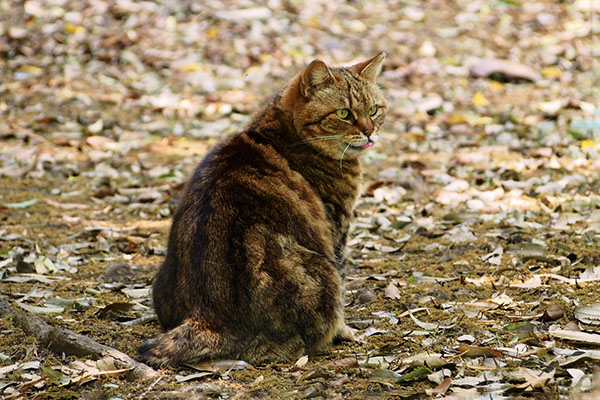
{"type": "Point", "coordinates": [363, 143]}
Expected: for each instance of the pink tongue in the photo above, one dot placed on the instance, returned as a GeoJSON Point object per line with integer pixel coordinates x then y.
{"type": "Point", "coordinates": [367, 145]}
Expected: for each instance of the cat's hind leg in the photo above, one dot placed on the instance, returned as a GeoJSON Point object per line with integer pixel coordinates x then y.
{"type": "Point", "coordinates": [189, 342]}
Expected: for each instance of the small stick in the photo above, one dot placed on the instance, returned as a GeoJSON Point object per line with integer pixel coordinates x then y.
{"type": "Point", "coordinates": [61, 340]}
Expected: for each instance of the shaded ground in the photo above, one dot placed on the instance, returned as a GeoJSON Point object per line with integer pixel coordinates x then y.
{"type": "Point", "coordinates": [481, 212]}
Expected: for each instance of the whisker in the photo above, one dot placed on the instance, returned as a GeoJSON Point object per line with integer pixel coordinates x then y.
{"type": "Point", "coordinates": [318, 138]}
{"type": "Point", "coordinates": [342, 159]}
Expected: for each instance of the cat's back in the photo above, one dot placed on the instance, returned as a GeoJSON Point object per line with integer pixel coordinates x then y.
{"type": "Point", "coordinates": [241, 183]}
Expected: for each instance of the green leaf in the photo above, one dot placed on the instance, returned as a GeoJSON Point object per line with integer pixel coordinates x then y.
{"type": "Point", "coordinates": [53, 374]}
{"type": "Point", "coordinates": [21, 205]}
{"type": "Point", "coordinates": [40, 310]}
{"type": "Point", "coordinates": [510, 3]}
{"type": "Point", "coordinates": [576, 134]}
{"type": "Point", "coordinates": [414, 375]}
{"type": "Point", "coordinates": [522, 326]}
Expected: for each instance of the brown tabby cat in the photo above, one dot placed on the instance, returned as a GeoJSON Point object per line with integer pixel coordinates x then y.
{"type": "Point", "coordinates": [256, 250]}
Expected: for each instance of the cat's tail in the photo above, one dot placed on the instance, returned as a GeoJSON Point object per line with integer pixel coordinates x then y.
{"type": "Point", "coordinates": [187, 343]}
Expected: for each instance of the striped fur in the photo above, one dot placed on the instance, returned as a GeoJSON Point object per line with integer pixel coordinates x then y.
{"type": "Point", "coordinates": [256, 250]}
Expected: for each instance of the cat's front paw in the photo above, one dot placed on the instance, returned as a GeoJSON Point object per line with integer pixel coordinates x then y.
{"type": "Point", "coordinates": [348, 334]}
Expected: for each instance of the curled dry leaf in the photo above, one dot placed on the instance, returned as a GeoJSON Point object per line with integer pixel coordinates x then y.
{"type": "Point", "coordinates": [576, 336]}
{"type": "Point", "coordinates": [588, 314]}
{"type": "Point", "coordinates": [477, 351]}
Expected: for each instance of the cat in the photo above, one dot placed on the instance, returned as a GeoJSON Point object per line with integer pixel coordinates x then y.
{"type": "Point", "coordinates": [256, 250]}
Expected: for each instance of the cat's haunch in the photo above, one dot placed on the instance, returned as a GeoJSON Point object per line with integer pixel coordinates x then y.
{"type": "Point", "coordinates": [257, 247]}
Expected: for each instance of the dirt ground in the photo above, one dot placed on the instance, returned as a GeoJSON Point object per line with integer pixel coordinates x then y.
{"type": "Point", "coordinates": [475, 251]}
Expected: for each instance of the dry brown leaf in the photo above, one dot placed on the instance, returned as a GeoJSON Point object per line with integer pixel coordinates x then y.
{"type": "Point", "coordinates": [477, 351]}
{"type": "Point", "coordinates": [533, 381]}
{"type": "Point", "coordinates": [392, 292]}
{"type": "Point", "coordinates": [348, 362]}
{"type": "Point", "coordinates": [442, 387]}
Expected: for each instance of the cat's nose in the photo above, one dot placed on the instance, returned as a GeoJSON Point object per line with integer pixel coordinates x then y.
{"type": "Point", "coordinates": [366, 127]}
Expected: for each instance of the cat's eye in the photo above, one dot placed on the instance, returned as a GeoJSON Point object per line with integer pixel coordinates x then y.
{"type": "Point", "coordinates": [342, 113]}
{"type": "Point", "coordinates": [373, 110]}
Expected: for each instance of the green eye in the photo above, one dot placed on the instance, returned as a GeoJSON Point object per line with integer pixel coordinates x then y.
{"type": "Point", "coordinates": [343, 113]}
{"type": "Point", "coordinates": [373, 110]}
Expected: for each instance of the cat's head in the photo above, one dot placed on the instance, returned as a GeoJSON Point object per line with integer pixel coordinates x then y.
{"type": "Point", "coordinates": [337, 110]}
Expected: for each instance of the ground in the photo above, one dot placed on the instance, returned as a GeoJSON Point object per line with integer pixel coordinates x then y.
{"type": "Point", "coordinates": [475, 249]}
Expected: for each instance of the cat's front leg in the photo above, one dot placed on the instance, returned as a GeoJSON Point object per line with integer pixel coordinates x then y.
{"type": "Point", "coordinates": [345, 333]}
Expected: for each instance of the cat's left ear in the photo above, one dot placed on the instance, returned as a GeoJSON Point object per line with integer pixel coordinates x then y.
{"type": "Point", "coordinates": [315, 75]}
{"type": "Point", "coordinates": [369, 69]}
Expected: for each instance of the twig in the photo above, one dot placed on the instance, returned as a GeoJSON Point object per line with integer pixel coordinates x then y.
{"type": "Point", "coordinates": [140, 320]}
{"type": "Point", "coordinates": [33, 135]}
{"type": "Point", "coordinates": [143, 395]}
{"type": "Point", "coordinates": [61, 340]}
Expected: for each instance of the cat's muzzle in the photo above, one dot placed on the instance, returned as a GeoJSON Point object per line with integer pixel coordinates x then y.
{"type": "Point", "coordinates": [364, 142]}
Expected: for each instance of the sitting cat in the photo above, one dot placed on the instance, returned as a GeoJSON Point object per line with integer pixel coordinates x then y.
{"type": "Point", "coordinates": [256, 251]}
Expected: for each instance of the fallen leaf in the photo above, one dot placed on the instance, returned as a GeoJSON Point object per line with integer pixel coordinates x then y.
{"type": "Point", "coordinates": [487, 67]}
{"type": "Point", "coordinates": [554, 312]}
{"type": "Point", "coordinates": [533, 380]}
{"type": "Point", "coordinates": [190, 377]}
{"type": "Point", "coordinates": [392, 292]}
{"type": "Point", "coordinates": [480, 100]}
{"type": "Point", "coordinates": [441, 388]}
{"type": "Point", "coordinates": [348, 362]}
{"type": "Point", "coordinates": [114, 308]}
{"type": "Point", "coordinates": [416, 374]}
{"type": "Point", "coordinates": [219, 366]}
{"type": "Point", "coordinates": [577, 336]}
{"type": "Point", "coordinates": [40, 310]}
{"type": "Point", "coordinates": [21, 205]}
{"type": "Point", "coordinates": [477, 351]}
{"type": "Point", "coordinates": [301, 362]}
{"type": "Point", "coordinates": [588, 314]}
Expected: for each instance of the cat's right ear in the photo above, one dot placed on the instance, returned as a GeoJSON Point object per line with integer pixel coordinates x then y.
{"type": "Point", "coordinates": [316, 75]}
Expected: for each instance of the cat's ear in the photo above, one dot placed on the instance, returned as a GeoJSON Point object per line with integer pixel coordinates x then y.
{"type": "Point", "coordinates": [369, 69]}
{"type": "Point", "coordinates": [315, 75]}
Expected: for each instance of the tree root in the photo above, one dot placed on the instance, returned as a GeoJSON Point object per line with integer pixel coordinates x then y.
{"type": "Point", "coordinates": [61, 340]}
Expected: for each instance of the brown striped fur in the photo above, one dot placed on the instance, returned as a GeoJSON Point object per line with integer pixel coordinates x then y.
{"type": "Point", "coordinates": [256, 251]}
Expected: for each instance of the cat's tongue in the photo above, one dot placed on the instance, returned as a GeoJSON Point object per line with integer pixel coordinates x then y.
{"type": "Point", "coordinates": [367, 145]}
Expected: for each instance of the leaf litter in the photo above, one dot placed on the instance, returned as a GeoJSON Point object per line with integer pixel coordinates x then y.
{"type": "Point", "coordinates": [475, 249]}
